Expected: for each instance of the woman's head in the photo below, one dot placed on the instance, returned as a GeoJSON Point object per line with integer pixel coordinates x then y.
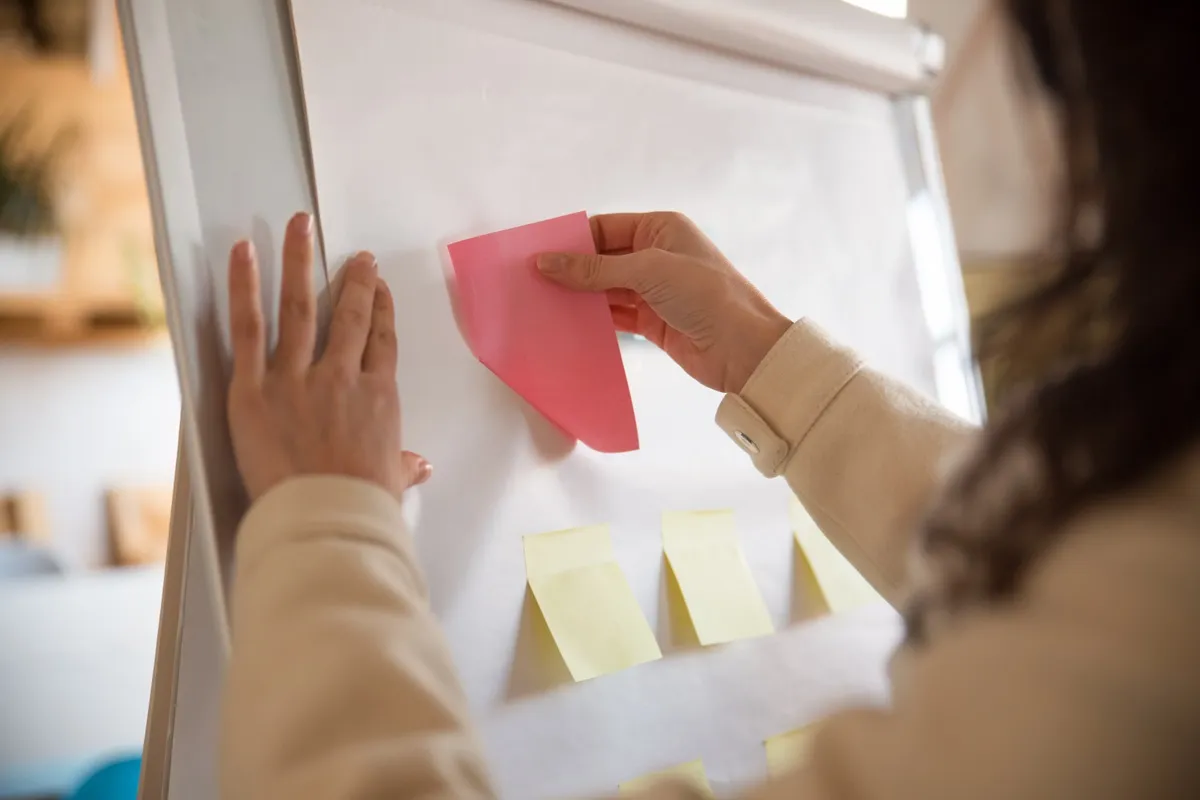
{"type": "Point", "coordinates": [1109, 344]}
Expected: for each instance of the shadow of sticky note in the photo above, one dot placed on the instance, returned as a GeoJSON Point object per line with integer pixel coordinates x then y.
{"type": "Point", "coordinates": [788, 751]}
{"type": "Point", "coordinates": [556, 348]}
{"type": "Point", "coordinates": [691, 773]}
{"type": "Point", "coordinates": [537, 665]}
{"type": "Point", "coordinates": [840, 584]}
{"type": "Point", "coordinates": [704, 555]}
{"type": "Point", "coordinates": [587, 603]}
{"type": "Point", "coordinates": [675, 623]}
{"type": "Point", "coordinates": [808, 601]}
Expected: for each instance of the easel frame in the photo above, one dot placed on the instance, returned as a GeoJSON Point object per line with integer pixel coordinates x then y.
{"type": "Point", "coordinates": [176, 53]}
{"type": "Point", "coordinates": [224, 139]}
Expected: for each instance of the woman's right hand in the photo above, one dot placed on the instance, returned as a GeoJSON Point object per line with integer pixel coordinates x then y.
{"type": "Point", "coordinates": [667, 282]}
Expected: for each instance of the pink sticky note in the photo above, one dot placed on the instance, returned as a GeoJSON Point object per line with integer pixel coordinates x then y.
{"type": "Point", "coordinates": [554, 347]}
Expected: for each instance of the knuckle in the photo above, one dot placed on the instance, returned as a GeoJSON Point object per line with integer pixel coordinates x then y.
{"type": "Point", "coordinates": [663, 222]}
{"type": "Point", "coordinates": [297, 306]}
{"type": "Point", "coordinates": [360, 276]}
{"type": "Point", "coordinates": [241, 390]}
{"type": "Point", "coordinates": [387, 398]}
{"type": "Point", "coordinates": [355, 317]}
{"type": "Point", "coordinates": [385, 337]}
{"type": "Point", "coordinates": [590, 267]}
{"type": "Point", "coordinates": [247, 327]}
{"type": "Point", "coordinates": [289, 395]}
{"type": "Point", "coordinates": [245, 400]}
{"type": "Point", "coordinates": [341, 374]}
{"type": "Point", "coordinates": [659, 273]}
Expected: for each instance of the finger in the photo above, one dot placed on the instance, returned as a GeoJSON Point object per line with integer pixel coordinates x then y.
{"type": "Point", "coordinates": [587, 272]}
{"type": "Point", "coordinates": [622, 297]}
{"type": "Point", "coordinates": [351, 324]}
{"type": "Point", "coordinates": [651, 325]}
{"type": "Point", "coordinates": [245, 313]}
{"type": "Point", "coordinates": [381, 354]}
{"type": "Point", "coordinates": [415, 468]}
{"type": "Point", "coordinates": [297, 303]}
{"type": "Point", "coordinates": [625, 318]}
{"type": "Point", "coordinates": [615, 233]}
{"type": "Point", "coordinates": [640, 320]}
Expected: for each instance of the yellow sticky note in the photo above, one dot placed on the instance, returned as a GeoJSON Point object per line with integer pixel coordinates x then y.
{"type": "Point", "coordinates": [718, 588]}
{"type": "Point", "coordinates": [692, 772]}
{"type": "Point", "coordinates": [588, 605]}
{"type": "Point", "coordinates": [841, 585]}
{"type": "Point", "coordinates": [788, 750]}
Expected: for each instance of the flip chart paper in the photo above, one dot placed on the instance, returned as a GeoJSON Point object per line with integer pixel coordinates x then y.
{"type": "Point", "coordinates": [718, 588]}
{"type": "Point", "coordinates": [555, 347]}
{"type": "Point", "coordinates": [588, 605]}
{"type": "Point", "coordinates": [838, 582]}
{"type": "Point", "coordinates": [692, 772]}
{"type": "Point", "coordinates": [788, 750]}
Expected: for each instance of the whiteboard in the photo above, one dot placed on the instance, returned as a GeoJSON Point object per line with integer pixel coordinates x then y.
{"type": "Point", "coordinates": [227, 152]}
{"type": "Point", "coordinates": [454, 119]}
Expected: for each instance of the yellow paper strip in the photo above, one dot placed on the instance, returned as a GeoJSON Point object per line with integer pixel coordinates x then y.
{"type": "Point", "coordinates": [787, 751]}
{"type": "Point", "coordinates": [843, 588]}
{"type": "Point", "coordinates": [588, 605]}
{"type": "Point", "coordinates": [718, 588]}
{"type": "Point", "coordinates": [692, 773]}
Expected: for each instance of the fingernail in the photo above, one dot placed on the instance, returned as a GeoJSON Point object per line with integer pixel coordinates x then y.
{"type": "Point", "coordinates": [366, 257]}
{"type": "Point", "coordinates": [424, 472]}
{"type": "Point", "coordinates": [302, 223]}
{"type": "Point", "coordinates": [244, 250]}
{"type": "Point", "coordinates": [552, 263]}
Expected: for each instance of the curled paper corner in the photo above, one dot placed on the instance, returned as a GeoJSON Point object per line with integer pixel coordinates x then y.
{"type": "Point", "coordinates": [554, 347]}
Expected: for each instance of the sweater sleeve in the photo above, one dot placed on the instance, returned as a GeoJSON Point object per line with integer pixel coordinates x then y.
{"type": "Point", "coordinates": [862, 452]}
{"type": "Point", "coordinates": [341, 685]}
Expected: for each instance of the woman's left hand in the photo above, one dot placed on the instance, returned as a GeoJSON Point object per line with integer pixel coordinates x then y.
{"type": "Point", "coordinates": [294, 415]}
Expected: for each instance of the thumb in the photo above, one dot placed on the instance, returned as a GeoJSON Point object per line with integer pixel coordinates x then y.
{"type": "Point", "coordinates": [414, 469]}
{"type": "Point", "coordinates": [588, 272]}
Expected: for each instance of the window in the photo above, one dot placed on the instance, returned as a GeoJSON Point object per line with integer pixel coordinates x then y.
{"type": "Point", "coordinates": [889, 8]}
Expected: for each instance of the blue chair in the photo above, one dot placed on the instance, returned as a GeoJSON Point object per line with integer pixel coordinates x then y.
{"type": "Point", "coordinates": [116, 780]}
{"type": "Point", "coordinates": [20, 560]}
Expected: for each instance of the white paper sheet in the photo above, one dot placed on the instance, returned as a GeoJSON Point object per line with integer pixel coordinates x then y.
{"type": "Point", "coordinates": [434, 120]}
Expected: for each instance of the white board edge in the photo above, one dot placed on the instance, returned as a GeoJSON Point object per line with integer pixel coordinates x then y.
{"type": "Point", "coordinates": [828, 38]}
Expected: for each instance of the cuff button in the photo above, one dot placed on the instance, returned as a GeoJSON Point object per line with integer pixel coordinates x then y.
{"type": "Point", "coordinates": [746, 442]}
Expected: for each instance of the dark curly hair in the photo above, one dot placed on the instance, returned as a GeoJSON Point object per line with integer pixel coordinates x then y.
{"type": "Point", "coordinates": [1108, 344]}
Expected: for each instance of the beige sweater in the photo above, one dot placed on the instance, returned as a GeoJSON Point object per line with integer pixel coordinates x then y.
{"type": "Point", "coordinates": [341, 685]}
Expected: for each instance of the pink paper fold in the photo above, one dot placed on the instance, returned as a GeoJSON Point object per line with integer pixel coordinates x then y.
{"type": "Point", "coordinates": [555, 347]}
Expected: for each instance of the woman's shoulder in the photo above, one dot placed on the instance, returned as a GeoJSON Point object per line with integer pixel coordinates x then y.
{"type": "Point", "coordinates": [1134, 559]}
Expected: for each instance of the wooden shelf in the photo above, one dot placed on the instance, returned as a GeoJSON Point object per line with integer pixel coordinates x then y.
{"type": "Point", "coordinates": [50, 319]}
{"type": "Point", "coordinates": [139, 521]}
{"type": "Point", "coordinates": [107, 287]}
{"type": "Point", "coordinates": [23, 517]}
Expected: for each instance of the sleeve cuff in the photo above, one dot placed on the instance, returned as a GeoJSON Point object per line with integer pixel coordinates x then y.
{"type": "Point", "coordinates": [321, 506]}
{"type": "Point", "coordinates": [789, 391]}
